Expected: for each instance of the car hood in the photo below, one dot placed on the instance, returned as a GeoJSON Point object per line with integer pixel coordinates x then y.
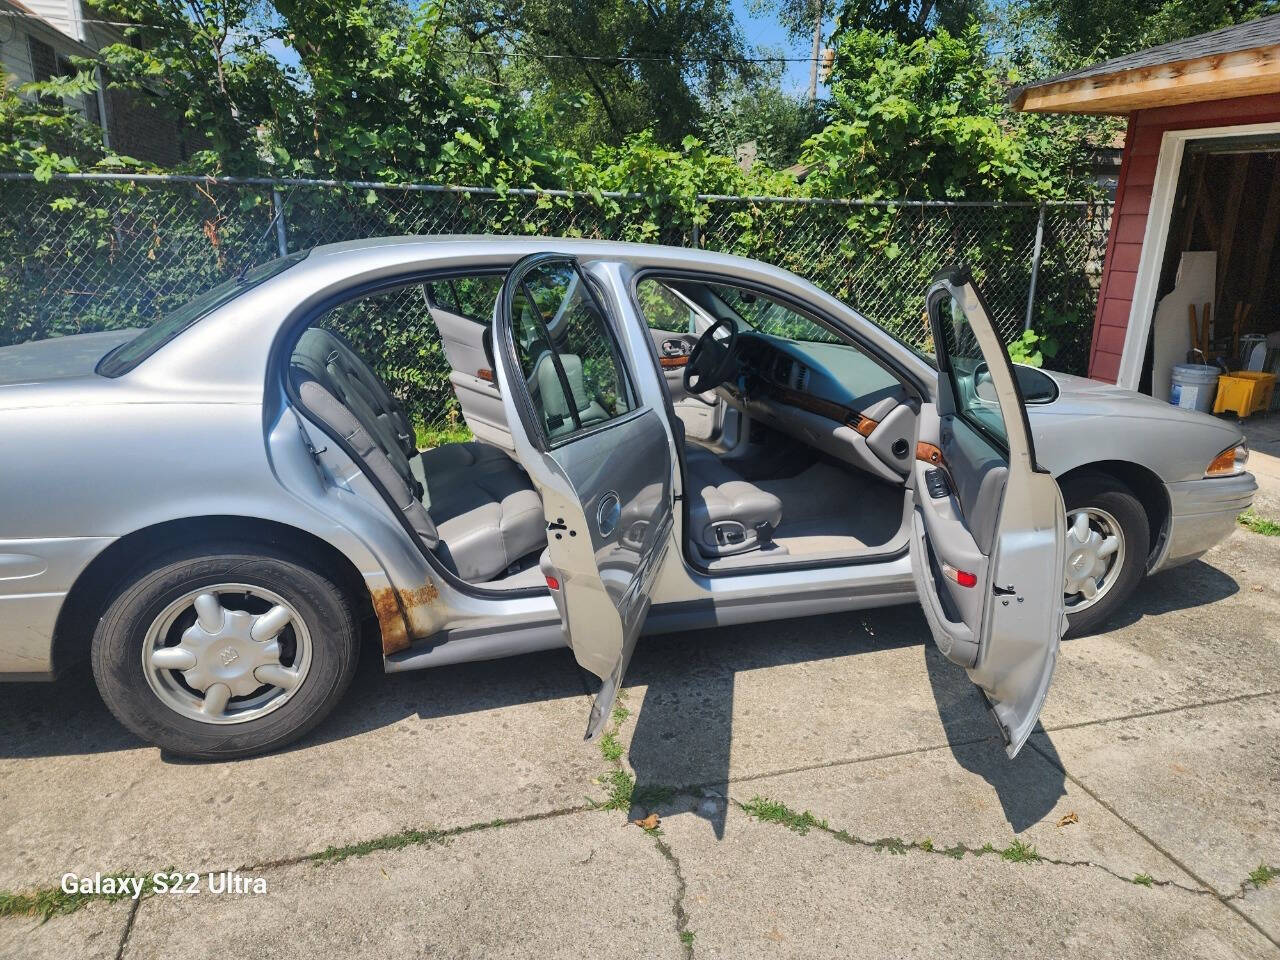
{"type": "Point", "coordinates": [59, 358]}
{"type": "Point", "coordinates": [1079, 397]}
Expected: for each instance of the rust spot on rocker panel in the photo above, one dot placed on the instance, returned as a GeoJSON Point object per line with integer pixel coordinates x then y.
{"type": "Point", "coordinates": [402, 614]}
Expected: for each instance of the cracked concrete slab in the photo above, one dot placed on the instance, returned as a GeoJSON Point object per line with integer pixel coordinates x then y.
{"type": "Point", "coordinates": [565, 886]}
{"type": "Point", "coordinates": [444, 747]}
{"type": "Point", "coordinates": [766, 891]}
{"type": "Point", "coordinates": [1201, 783]}
{"type": "Point", "coordinates": [724, 704]}
{"type": "Point", "coordinates": [970, 795]}
{"type": "Point", "coordinates": [91, 933]}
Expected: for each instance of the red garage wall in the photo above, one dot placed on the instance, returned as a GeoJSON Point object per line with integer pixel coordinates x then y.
{"type": "Point", "coordinates": [1133, 200]}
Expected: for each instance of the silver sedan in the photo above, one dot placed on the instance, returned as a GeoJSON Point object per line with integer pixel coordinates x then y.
{"type": "Point", "coordinates": [206, 510]}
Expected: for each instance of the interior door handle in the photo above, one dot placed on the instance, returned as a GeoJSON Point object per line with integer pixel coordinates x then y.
{"type": "Point", "coordinates": [675, 348]}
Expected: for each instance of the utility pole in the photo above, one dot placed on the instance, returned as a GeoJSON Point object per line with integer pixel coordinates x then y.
{"type": "Point", "coordinates": [817, 51]}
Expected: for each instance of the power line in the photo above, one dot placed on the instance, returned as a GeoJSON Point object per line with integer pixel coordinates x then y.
{"type": "Point", "coordinates": [671, 57]}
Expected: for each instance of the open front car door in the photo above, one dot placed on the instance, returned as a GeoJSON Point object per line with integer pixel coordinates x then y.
{"type": "Point", "coordinates": [989, 528]}
{"type": "Point", "coordinates": [599, 457]}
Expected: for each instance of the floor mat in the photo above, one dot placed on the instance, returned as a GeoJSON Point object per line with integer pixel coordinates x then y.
{"type": "Point", "coordinates": [828, 510]}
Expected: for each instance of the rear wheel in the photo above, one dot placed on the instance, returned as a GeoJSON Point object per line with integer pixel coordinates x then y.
{"type": "Point", "coordinates": [225, 651]}
{"type": "Point", "coordinates": [1108, 540]}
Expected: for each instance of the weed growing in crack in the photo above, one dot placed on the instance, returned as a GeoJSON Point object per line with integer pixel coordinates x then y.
{"type": "Point", "coordinates": [54, 901]}
{"type": "Point", "coordinates": [1251, 521]}
{"type": "Point", "coordinates": [1263, 875]}
{"type": "Point", "coordinates": [773, 811]}
{"type": "Point", "coordinates": [620, 786]}
{"type": "Point", "coordinates": [686, 938]}
{"type": "Point", "coordinates": [611, 746]}
{"type": "Point", "coordinates": [1019, 852]}
{"type": "Point", "coordinates": [1144, 879]}
{"type": "Point", "coordinates": [394, 841]}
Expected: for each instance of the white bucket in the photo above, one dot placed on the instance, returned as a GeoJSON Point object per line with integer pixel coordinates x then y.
{"type": "Point", "coordinates": [1194, 386]}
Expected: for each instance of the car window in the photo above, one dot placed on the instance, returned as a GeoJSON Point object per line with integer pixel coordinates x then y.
{"type": "Point", "coordinates": [566, 351]}
{"type": "Point", "coordinates": [132, 352]}
{"type": "Point", "coordinates": [663, 309]}
{"type": "Point", "coordinates": [472, 296]}
{"type": "Point", "coordinates": [971, 385]}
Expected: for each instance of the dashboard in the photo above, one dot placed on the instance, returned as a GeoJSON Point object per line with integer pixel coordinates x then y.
{"type": "Point", "coordinates": [831, 396]}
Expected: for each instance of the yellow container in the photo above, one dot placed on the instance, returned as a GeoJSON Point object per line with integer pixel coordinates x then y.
{"type": "Point", "coordinates": [1244, 392]}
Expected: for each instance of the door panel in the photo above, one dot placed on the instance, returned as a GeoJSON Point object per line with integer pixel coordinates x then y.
{"type": "Point", "coordinates": [471, 368]}
{"type": "Point", "coordinates": [600, 460]}
{"type": "Point", "coordinates": [989, 529]}
{"type": "Point", "coordinates": [675, 325]}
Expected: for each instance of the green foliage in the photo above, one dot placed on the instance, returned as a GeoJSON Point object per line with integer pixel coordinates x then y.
{"type": "Point", "coordinates": [556, 52]}
{"type": "Point", "coordinates": [925, 119]}
{"type": "Point", "coordinates": [759, 113]}
{"type": "Point", "coordinates": [1252, 521]}
{"type": "Point", "coordinates": [1099, 29]}
{"type": "Point", "coordinates": [1263, 875]}
{"type": "Point", "coordinates": [907, 19]}
{"type": "Point", "coordinates": [774, 811]}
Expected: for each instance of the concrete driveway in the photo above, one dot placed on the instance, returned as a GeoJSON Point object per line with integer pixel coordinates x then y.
{"type": "Point", "coordinates": [825, 787]}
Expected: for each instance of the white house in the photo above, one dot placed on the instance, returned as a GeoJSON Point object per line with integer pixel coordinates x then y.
{"type": "Point", "coordinates": [38, 38]}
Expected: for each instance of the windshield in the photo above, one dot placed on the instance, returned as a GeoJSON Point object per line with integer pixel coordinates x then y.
{"type": "Point", "coordinates": [769, 316]}
{"type": "Point", "coordinates": [132, 352]}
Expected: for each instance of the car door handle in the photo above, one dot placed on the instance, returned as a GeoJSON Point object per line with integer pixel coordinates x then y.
{"type": "Point", "coordinates": [675, 348]}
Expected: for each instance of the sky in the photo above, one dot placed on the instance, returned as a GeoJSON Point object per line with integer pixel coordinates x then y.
{"type": "Point", "coordinates": [763, 31]}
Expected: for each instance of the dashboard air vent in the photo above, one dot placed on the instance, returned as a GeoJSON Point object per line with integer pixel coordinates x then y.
{"type": "Point", "coordinates": [802, 378]}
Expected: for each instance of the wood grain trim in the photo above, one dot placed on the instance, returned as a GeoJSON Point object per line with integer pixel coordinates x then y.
{"type": "Point", "coordinates": [485, 374]}
{"type": "Point", "coordinates": [866, 426]}
{"type": "Point", "coordinates": [929, 453]}
{"type": "Point", "coordinates": [669, 363]}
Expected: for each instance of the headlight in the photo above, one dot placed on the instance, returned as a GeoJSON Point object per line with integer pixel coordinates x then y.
{"type": "Point", "coordinates": [1229, 462]}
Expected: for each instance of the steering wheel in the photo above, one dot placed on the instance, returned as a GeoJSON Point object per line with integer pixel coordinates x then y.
{"type": "Point", "coordinates": [712, 360]}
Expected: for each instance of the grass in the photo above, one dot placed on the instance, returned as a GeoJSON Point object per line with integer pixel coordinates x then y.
{"type": "Point", "coordinates": [54, 901]}
{"type": "Point", "coordinates": [1263, 875]}
{"type": "Point", "coordinates": [1144, 879]}
{"type": "Point", "coordinates": [774, 811]}
{"type": "Point", "coordinates": [1020, 852]}
{"type": "Point", "coordinates": [1251, 521]}
{"type": "Point", "coordinates": [428, 437]}
{"type": "Point", "coordinates": [686, 938]}
{"type": "Point", "coordinates": [611, 746]}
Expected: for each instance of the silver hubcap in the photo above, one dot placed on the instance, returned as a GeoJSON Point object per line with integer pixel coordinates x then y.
{"type": "Point", "coordinates": [226, 653]}
{"type": "Point", "coordinates": [1095, 556]}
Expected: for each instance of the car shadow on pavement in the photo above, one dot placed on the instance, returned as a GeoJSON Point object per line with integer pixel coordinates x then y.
{"type": "Point", "coordinates": [683, 735]}
{"type": "Point", "coordinates": [682, 732]}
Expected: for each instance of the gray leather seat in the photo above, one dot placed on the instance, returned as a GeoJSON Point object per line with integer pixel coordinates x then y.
{"type": "Point", "coordinates": [727, 515]}
{"type": "Point", "coordinates": [470, 503]}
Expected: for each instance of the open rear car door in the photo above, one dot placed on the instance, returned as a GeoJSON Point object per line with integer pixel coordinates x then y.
{"type": "Point", "coordinates": [599, 457]}
{"type": "Point", "coordinates": [989, 528]}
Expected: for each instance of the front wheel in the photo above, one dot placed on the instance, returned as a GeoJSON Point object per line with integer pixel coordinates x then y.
{"type": "Point", "coordinates": [1108, 539]}
{"type": "Point", "coordinates": [225, 651]}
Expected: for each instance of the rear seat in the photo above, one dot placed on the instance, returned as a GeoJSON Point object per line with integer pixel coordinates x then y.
{"type": "Point", "coordinates": [470, 503]}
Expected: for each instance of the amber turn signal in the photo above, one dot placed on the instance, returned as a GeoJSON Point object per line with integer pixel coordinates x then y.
{"type": "Point", "coordinates": [1230, 461]}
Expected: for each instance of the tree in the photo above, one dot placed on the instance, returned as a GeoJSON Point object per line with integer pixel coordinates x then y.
{"type": "Point", "coordinates": [924, 119]}
{"type": "Point", "coordinates": [906, 20]}
{"type": "Point", "coordinates": [599, 71]}
{"type": "Point", "coordinates": [758, 111]}
{"type": "Point", "coordinates": [1091, 30]}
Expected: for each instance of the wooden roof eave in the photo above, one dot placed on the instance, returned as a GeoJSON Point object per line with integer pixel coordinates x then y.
{"type": "Point", "coordinates": [1244, 73]}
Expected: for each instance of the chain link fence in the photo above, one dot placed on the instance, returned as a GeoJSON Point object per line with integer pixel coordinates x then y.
{"type": "Point", "coordinates": [98, 251]}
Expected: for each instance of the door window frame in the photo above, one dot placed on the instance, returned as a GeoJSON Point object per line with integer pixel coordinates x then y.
{"type": "Point", "coordinates": [530, 421]}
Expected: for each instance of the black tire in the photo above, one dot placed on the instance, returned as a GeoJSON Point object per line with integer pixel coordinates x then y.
{"type": "Point", "coordinates": [1109, 494]}
{"type": "Point", "coordinates": [116, 652]}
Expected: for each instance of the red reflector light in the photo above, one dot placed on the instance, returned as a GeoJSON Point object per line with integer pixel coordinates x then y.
{"type": "Point", "coordinates": [553, 583]}
{"type": "Point", "coordinates": [962, 577]}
